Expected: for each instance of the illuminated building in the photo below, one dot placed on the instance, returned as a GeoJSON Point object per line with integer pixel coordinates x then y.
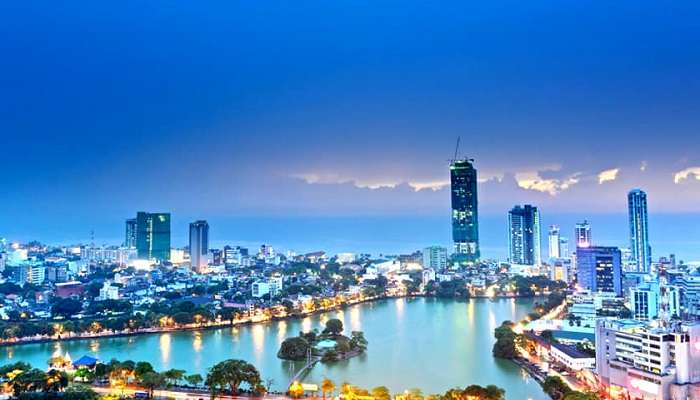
{"type": "Point", "coordinates": [435, 257]}
{"type": "Point", "coordinates": [638, 360]}
{"type": "Point", "coordinates": [599, 269]}
{"type": "Point", "coordinates": [554, 242]}
{"type": "Point", "coordinates": [131, 232]}
{"type": "Point", "coordinates": [639, 230]}
{"type": "Point", "coordinates": [524, 235]}
{"type": "Point", "coordinates": [582, 233]}
{"type": "Point", "coordinates": [153, 236]}
{"type": "Point", "coordinates": [465, 215]}
{"type": "Point", "coordinates": [199, 245]}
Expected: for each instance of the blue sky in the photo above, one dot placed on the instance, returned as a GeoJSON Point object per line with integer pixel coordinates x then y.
{"type": "Point", "coordinates": [318, 108]}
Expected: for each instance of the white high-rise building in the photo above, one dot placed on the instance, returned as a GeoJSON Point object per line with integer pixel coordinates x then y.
{"type": "Point", "coordinates": [199, 245]}
{"type": "Point", "coordinates": [554, 242]}
{"type": "Point", "coordinates": [583, 234]}
{"type": "Point", "coordinates": [435, 257]}
{"type": "Point", "coordinates": [639, 230]}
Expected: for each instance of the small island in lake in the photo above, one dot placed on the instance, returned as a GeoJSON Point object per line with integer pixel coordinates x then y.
{"type": "Point", "coordinates": [329, 345]}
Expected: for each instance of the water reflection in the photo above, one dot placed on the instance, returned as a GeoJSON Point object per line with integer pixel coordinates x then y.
{"type": "Point", "coordinates": [258, 332]}
{"type": "Point", "coordinates": [165, 340]}
{"type": "Point", "coordinates": [197, 342]}
{"type": "Point", "coordinates": [306, 324]}
{"type": "Point", "coordinates": [281, 331]}
{"type": "Point", "coordinates": [94, 346]}
{"type": "Point", "coordinates": [399, 308]}
{"type": "Point", "coordinates": [355, 322]}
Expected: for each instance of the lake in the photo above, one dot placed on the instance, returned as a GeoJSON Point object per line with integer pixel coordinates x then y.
{"type": "Point", "coordinates": [424, 343]}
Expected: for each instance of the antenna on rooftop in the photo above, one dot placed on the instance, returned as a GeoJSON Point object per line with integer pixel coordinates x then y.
{"type": "Point", "coordinates": [457, 148]}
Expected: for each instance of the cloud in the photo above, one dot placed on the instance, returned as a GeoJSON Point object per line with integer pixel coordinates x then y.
{"type": "Point", "coordinates": [431, 185]}
{"type": "Point", "coordinates": [644, 166]}
{"type": "Point", "coordinates": [692, 172]}
{"type": "Point", "coordinates": [533, 181]}
{"type": "Point", "coordinates": [608, 175]}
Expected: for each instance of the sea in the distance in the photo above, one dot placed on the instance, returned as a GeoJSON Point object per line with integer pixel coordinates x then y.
{"type": "Point", "coordinates": [423, 343]}
{"type": "Point", "coordinates": [668, 233]}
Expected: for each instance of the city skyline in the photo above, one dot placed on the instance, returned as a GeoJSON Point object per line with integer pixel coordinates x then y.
{"type": "Point", "coordinates": [286, 133]}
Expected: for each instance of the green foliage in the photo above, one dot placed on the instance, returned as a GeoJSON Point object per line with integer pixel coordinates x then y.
{"type": "Point", "coordinates": [505, 341]}
{"type": "Point", "coordinates": [66, 308]}
{"type": "Point", "coordinates": [77, 391]}
{"type": "Point", "coordinates": [490, 392]}
{"type": "Point", "coordinates": [294, 349]}
{"type": "Point", "coordinates": [381, 393]}
{"type": "Point", "coordinates": [334, 326]}
{"type": "Point", "coordinates": [231, 374]}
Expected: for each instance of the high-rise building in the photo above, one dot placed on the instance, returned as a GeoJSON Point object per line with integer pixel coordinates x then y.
{"type": "Point", "coordinates": [639, 230]}
{"type": "Point", "coordinates": [564, 247]}
{"type": "Point", "coordinates": [130, 239]}
{"type": "Point", "coordinates": [524, 235]}
{"type": "Point", "coordinates": [199, 245]}
{"type": "Point", "coordinates": [583, 234]}
{"type": "Point", "coordinates": [465, 216]}
{"type": "Point", "coordinates": [599, 269]}
{"type": "Point", "coordinates": [554, 242]}
{"type": "Point", "coordinates": [435, 257]}
{"type": "Point", "coordinates": [153, 236]}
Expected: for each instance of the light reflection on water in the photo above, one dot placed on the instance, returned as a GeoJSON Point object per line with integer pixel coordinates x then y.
{"type": "Point", "coordinates": [432, 344]}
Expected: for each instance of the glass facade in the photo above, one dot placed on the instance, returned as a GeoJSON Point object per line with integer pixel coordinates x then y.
{"type": "Point", "coordinates": [639, 230]}
{"type": "Point", "coordinates": [599, 269]}
{"type": "Point", "coordinates": [524, 235]}
{"type": "Point", "coordinates": [199, 245]}
{"type": "Point", "coordinates": [465, 216]}
{"type": "Point", "coordinates": [130, 239]}
{"type": "Point", "coordinates": [153, 236]}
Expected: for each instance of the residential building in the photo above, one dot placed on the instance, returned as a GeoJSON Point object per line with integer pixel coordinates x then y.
{"type": "Point", "coordinates": [435, 257]}
{"type": "Point", "coordinates": [465, 216]}
{"type": "Point", "coordinates": [271, 286]}
{"type": "Point", "coordinates": [639, 230]}
{"type": "Point", "coordinates": [524, 235]}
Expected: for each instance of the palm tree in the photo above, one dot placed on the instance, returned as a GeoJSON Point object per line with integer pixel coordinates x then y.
{"type": "Point", "coordinates": [327, 386]}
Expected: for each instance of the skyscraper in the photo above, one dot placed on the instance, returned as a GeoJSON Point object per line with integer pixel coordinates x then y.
{"type": "Point", "coordinates": [524, 235]}
{"type": "Point", "coordinates": [199, 245]}
{"type": "Point", "coordinates": [554, 242]}
{"type": "Point", "coordinates": [153, 236]}
{"type": "Point", "coordinates": [583, 234]}
{"type": "Point", "coordinates": [465, 217]}
{"type": "Point", "coordinates": [130, 238]}
{"type": "Point", "coordinates": [599, 269]}
{"type": "Point", "coordinates": [639, 230]}
{"type": "Point", "coordinates": [435, 257]}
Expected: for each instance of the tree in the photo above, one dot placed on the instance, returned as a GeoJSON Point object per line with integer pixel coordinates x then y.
{"type": "Point", "coordinates": [194, 379]}
{"type": "Point", "coordinates": [28, 381]}
{"type": "Point", "coordinates": [334, 326]}
{"type": "Point", "coordinates": [505, 341]}
{"type": "Point", "coordinates": [548, 336]}
{"type": "Point", "coordinates": [174, 375]}
{"type": "Point", "coordinates": [358, 341]}
{"type": "Point", "coordinates": [142, 368]}
{"type": "Point", "coordinates": [152, 381]}
{"type": "Point", "coordinates": [327, 386]}
{"type": "Point", "coordinates": [381, 393]}
{"type": "Point", "coordinates": [294, 349]}
{"type": "Point", "coordinates": [555, 387]}
{"type": "Point", "coordinates": [231, 374]}
{"type": "Point", "coordinates": [66, 308]}
{"type": "Point", "coordinates": [56, 380]}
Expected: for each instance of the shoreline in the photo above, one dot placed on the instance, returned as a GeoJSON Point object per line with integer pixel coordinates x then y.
{"type": "Point", "coordinates": [22, 342]}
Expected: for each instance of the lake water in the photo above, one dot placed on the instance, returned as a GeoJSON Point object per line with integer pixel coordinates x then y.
{"type": "Point", "coordinates": [425, 343]}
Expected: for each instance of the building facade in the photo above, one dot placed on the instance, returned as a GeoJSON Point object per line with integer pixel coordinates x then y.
{"type": "Point", "coordinates": [524, 235]}
{"type": "Point", "coordinates": [599, 269]}
{"type": "Point", "coordinates": [582, 233]}
{"type": "Point", "coordinates": [153, 236]}
{"type": "Point", "coordinates": [199, 245]}
{"type": "Point", "coordinates": [639, 230]}
{"type": "Point", "coordinates": [554, 242]}
{"type": "Point", "coordinates": [435, 257]}
{"type": "Point", "coordinates": [636, 360]}
{"type": "Point", "coordinates": [130, 234]}
{"type": "Point", "coordinates": [465, 215]}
